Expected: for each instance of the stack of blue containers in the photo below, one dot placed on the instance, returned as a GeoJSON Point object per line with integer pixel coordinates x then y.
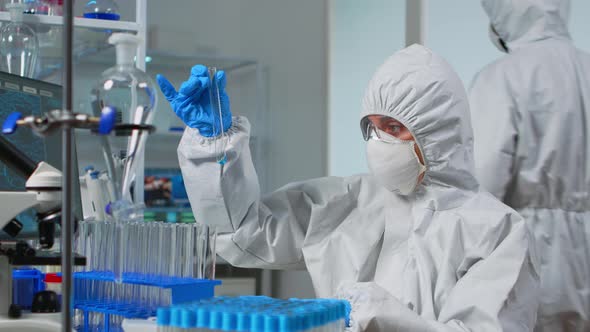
{"type": "Point", "coordinates": [254, 314]}
{"type": "Point", "coordinates": [26, 282]}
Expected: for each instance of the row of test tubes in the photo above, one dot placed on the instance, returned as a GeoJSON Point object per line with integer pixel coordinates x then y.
{"type": "Point", "coordinates": [150, 248]}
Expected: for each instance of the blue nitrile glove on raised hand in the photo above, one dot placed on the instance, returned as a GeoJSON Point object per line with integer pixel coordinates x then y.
{"type": "Point", "coordinates": [192, 102]}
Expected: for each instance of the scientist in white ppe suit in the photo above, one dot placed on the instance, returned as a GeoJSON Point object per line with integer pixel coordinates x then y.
{"type": "Point", "coordinates": [531, 116]}
{"type": "Point", "coordinates": [414, 246]}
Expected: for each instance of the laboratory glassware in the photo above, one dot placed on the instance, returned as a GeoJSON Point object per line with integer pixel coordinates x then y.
{"type": "Point", "coordinates": [19, 46]}
{"type": "Point", "coordinates": [215, 99]}
{"type": "Point", "coordinates": [102, 9]}
{"type": "Point", "coordinates": [158, 256]}
{"type": "Point", "coordinates": [132, 94]}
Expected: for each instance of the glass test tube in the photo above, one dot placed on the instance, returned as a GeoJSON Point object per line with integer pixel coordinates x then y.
{"type": "Point", "coordinates": [215, 98]}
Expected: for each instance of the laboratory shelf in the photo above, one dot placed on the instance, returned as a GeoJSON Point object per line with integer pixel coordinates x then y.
{"type": "Point", "coordinates": [78, 22]}
{"type": "Point", "coordinates": [156, 59]}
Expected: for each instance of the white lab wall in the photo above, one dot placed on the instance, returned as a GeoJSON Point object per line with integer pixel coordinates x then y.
{"type": "Point", "coordinates": [289, 38]}
{"type": "Point", "coordinates": [457, 30]}
{"type": "Point", "coordinates": [579, 24]}
{"type": "Point", "coordinates": [362, 35]}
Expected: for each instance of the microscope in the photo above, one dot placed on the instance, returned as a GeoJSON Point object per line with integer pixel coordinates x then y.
{"type": "Point", "coordinates": [42, 194]}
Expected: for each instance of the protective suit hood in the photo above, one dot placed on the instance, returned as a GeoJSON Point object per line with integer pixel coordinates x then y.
{"type": "Point", "coordinates": [523, 21]}
{"type": "Point", "coordinates": [421, 90]}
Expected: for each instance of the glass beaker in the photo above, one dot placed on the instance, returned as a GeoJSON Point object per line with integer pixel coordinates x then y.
{"type": "Point", "coordinates": [132, 94]}
{"type": "Point", "coordinates": [19, 46]}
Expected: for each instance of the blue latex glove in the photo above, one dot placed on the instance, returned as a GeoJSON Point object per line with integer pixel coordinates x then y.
{"type": "Point", "coordinates": [192, 102]}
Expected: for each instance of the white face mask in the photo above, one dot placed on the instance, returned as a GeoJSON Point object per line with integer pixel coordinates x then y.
{"type": "Point", "coordinates": [395, 165]}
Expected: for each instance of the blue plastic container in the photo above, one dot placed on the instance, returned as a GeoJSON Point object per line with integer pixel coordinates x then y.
{"type": "Point", "coordinates": [102, 10]}
{"type": "Point", "coordinates": [25, 284]}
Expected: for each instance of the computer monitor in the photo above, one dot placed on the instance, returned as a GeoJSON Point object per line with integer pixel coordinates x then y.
{"type": "Point", "coordinates": [30, 97]}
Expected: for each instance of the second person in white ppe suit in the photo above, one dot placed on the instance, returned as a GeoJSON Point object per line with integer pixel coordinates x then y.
{"type": "Point", "coordinates": [531, 115]}
{"type": "Point", "coordinates": [415, 246]}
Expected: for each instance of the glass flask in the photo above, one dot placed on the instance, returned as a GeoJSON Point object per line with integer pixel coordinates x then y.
{"type": "Point", "coordinates": [132, 94]}
{"type": "Point", "coordinates": [102, 10]}
{"type": "Point", "coordinates": [19, 46]}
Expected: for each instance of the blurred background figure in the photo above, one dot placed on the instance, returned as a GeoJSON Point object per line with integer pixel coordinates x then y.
{"type": "Point", "coordinates": [531, 118]}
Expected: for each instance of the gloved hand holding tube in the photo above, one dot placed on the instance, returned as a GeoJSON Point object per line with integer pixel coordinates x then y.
{"type": "Point", "coordinates": [192, 103]}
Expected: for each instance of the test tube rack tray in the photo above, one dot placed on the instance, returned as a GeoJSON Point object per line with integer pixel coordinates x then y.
{"type": "Point", "coordinates": [181, 290]}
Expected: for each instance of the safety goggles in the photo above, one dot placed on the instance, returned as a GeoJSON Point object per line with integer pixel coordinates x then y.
{"type": "Point", "coordinates": [370, 131]}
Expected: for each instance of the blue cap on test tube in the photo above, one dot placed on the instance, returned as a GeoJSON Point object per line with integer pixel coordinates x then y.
{"type": "Point", "coordinates": [215, 320]}
{"type": "Point", "coordinates": [271, 323]}
{"type": "Point", "coordinates": [335, 312]}
{"type": "Point", "coordinates": [243, 321]}
{"type": "Point", "coordinates": [163, 316]}
{"type": "Point", "coordinates": [306, 322]}
{"type": "Point", "coordinates": [325, 315]}
{"type": "Point", "coordinates": [202, 318]}
{"type": "Point", "coordinates": [175, 317]}
{"type": "Point", "coordinates": [286, 323]}
{"type": "Point", "coordinates": [229, 321]}
{"type": "Point", "coordinates": [257, 323]}
{"type": "Point", "coordinates": [188, 319]}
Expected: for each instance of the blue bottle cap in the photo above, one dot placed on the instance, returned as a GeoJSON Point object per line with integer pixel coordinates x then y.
{"type": "Point", "coordinates": [229, 321]}
{"type": "Point", "coordinates": [315, 318]}
{"type": "Point", "coordinates": [215, 320]}
{"type": "Point", "coordinates": [306, 322]}
{"type": "Point", "coordinates": [188, 318]}
{"type": "Point", "coordinates": [176, 316]}
{"type": "Point", "coordinates": [271, 323]}
{"type": "Point", "coordinates": [286, 324]}
{"type": "Point", "coordinates": [335, 312]}
{"type": "Point", "coordinates": [243, 321]}
{"type": "Point", "coordinates": [347, 310]}
{"type": "Point", "coordinates": [163, 316]}
{"type": "Point", "coordinates": [202, 318]}
{"type": "Point", "coordinates": [257, 323]}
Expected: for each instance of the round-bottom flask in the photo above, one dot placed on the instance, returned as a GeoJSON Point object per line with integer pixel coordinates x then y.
{"type": "Point", "coordinates": [132, 94]}
{"type": "Point", "coordinates": [19, 46]}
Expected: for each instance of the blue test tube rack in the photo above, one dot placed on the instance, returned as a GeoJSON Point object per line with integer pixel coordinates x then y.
{"type": "Point", "coordinates": [180, 290]}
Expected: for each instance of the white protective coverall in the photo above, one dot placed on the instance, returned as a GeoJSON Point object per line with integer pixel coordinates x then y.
{"type": "Point", "coordinates": [532, 147]}
{"type": "Point", "coordinates": [446, 258]}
